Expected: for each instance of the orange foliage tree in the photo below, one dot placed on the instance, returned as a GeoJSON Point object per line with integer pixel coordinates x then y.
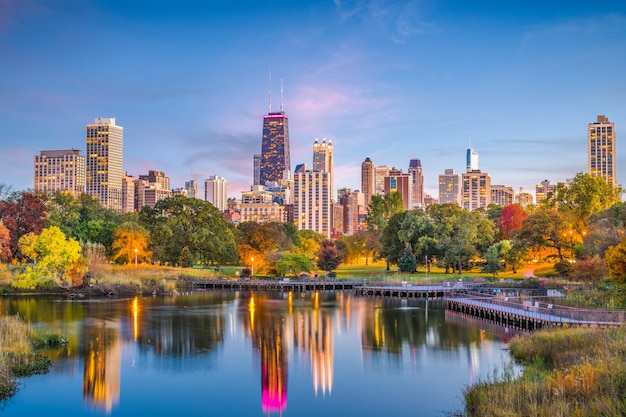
{"type": "Point", "coordinates": [130, 244]}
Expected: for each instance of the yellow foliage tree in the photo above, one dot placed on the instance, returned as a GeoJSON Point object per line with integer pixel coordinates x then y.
{"type": "Point", "coordinates": [130, 244]}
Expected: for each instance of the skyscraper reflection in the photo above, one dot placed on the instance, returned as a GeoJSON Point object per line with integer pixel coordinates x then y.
{"type": "Point", "coordinates": [102, 362]}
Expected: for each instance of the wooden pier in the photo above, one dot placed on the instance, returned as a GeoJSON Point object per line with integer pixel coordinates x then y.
{"type": "Point", "coordinates": [404, 291]}
{"type": "Point", "coordinates": [271, 285]}
{"type": "Point", "coordinates": [529, 314]}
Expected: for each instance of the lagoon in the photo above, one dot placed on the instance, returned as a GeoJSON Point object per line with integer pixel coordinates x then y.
{"type": "Point", "coordinates": [255, 354]}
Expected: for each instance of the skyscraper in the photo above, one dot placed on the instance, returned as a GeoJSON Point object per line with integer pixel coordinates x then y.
{"type": "Point", "coordinates": [379, 179]}
{"type": "Point", "coordinates": [601, 149]}
{"type": "Point", "coordinates": [417, 183]}
{"type": "Point", "coordinates": [400, 182]}
{"type": "Point", "coordinates": [104, 162]}
{"type": "Point", "coordinates": [471, 160]}
{"type": "Point", "coordinates": [368, 180]}
{"type": "Point", "coordinates": [476, 191]}
{"type": "Point", "coordinates": [62, 170]}
{"type": "Point", "coordinates": [450, 187]}
{"type": "Point", "coordinates": [256, 170]}
{"type": "Point", "coordinates": [216, 192]}
{"type": "Point", "coordinates": [275, 156]}
{"type": "Point", "coordinates": [323, 159]}
{"type": "Point", "coordinates": [312, 200]}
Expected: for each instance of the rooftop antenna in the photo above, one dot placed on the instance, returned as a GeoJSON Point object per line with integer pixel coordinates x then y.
{"type": "Point", "coordinates": [281, 96]}
{"type": "Point", "coordinates": [269, 92]}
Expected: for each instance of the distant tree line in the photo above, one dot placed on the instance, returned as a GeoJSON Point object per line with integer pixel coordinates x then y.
{"type": "Point", "coordinates": [579, 226]}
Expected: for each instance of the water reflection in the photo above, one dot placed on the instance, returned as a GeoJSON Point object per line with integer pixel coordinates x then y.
{"type": "Point", "coordinates": [297, 333]}
{"type": "Point", "coordinates": [102, 365]}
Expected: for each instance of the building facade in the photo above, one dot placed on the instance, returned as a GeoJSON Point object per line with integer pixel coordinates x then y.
{"type": "Point", "coordinates": [151, 188]}
{"type": "Point", "coordinates": [502, 195]}
{"type": "Point", "coordinates": [379, 179]}
{"type": "Point", "coordinates": [60, 170]}
{"type": "Point", "coordinates": [400, 182]}
{"type": "Point", "coordinates": [323, 159]}
{"type": "Point", "coordinates": [216, 192]}
{"type": "Point", "coordinates": [312, 201]}
{"type": "Point", "coordinates": [417, 183]}
{"type": "Point", "coordinates": [128, 193]}
{"type": "Point", "coordinates": [103, 167]}
{"type": "Point", "coordinates": [275, 156]}
{"type": "Point", "coordinates": [544, 190]}
{"type": "Point", "coordinates": [476, 191]}
{"type": "Point", "coordinates": [368, 180]}
{"type": "Point", "coordinates": [450, 187]}
{"type": "Point", "coordinates": [601, 149]}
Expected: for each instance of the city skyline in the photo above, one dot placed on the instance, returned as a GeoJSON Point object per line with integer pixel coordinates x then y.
{"type": "Point", "coordinates": [392, 81]}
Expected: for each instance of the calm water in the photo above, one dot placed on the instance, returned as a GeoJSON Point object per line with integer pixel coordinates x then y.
{"type": "Point", "coordinates": [241, 354]}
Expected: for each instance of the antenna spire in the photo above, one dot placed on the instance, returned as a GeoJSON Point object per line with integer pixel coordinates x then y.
{"type": "Point", "coordinates": [281, 96]}
{"type": "Point", "coordinates": [269, 92]}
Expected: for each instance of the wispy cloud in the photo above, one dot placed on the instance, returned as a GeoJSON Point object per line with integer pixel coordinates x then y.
{"type": "Point", "coordinates": [398, 19]}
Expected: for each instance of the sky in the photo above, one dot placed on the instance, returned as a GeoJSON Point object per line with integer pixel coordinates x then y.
{"type": "Point", "coordinates": [391, 80]}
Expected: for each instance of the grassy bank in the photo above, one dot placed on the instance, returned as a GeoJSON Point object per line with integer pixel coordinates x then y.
{"type": "Point", "coordinates": [19, 356]}
{"type": "Point", "coordinates": [571, 372]}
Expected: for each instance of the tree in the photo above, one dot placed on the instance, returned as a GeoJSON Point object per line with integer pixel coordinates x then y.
{"type": "Point", "coordinates": [407, 262]}
{"type": "Point", "coordinates": [615, 262]}
{"type": "Point", "coordinates": [264, 242]}
{"type": "Point", "coordinates": [308, 241]}
{"type": "Point", "coordinates": [545, 229]}
{"type": "Point", "coordinates": [57, 259]}
{"type": "Point", "coordinates": [328, 256]}
{"type": "Point", "coordinates": [495, 257]}
{"type": "Point", "coordinates": [460, 234]}
{"type": "Point", "coordinates": [510, 220]}
{"type": "Point", "coordinates": [293, 263]}
{"type": "Point", "coordinates": [590, 270]}
{"type": "Point", "coordinates": [383, 208]}
{"type": "Point", "coordinates": [131, 243]}
{"type": "Point", "coordinates": [584, 196]}
{"type": "Point", "coordinates": [22, 213]}
{"type": "Point", "coordinates": [179, 222]}
{"type": "Point", "coordinates": [5, 243]}
{"type": "Point", "coordinates": [392, 248]}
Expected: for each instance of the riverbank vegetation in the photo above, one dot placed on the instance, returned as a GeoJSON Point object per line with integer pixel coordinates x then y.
{"type": "Point", "coordinates": [64, 242]}
{"type": "Point", "coordinates": [19, 353]}
{"type": "Point", "coordinates": [572, 372]}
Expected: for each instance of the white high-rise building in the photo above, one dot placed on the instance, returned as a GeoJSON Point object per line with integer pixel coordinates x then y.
{"type": "Point", "coordinates": [323, 159]}
{"type": "Point", "coordinates": [216, 192]}
{"type": "Point", "coordinates": [104, 162]}
{"type": "Point", "coordinates": [312, 200]}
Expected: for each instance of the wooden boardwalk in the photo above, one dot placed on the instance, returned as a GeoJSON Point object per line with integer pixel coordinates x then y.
{"type": "Point", "coordinates": [530, 314]}
{"type": "Point", "coordinates": [270, 285]}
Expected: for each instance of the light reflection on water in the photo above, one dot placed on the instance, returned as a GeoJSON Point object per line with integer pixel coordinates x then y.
{"type": "Point", "coordinates": [247, 354]}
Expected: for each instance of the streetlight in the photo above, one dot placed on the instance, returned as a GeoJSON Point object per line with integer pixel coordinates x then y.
{"type": "Point", "coordinates": [252, 270]}
{"type": "Point", "coordinates": [136, 250]}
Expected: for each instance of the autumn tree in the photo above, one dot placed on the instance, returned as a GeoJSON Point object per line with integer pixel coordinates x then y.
{"type": "Point", "coordinates": [22, 213]}
{"type": "Point", "coordinates": [328, 256]}
{"type": "Point", "coordinates": [5, 243]}
{"type": "Point", "coordinates": [264, 242]}
{"type": "Point", "coordinates": [546, 229]}
{"type": "Point", "coordinates": [131, 244]}
{"type": "Point", "coordinates": [510, 220]}
{"type": "Point", "coordinates": [58, 260]}
{"type": "Point", "coordinates": [615, 262]}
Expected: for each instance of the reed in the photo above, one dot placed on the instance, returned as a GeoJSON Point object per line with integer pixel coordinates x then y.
{"type": "Point", "coordinates": [568, 372]}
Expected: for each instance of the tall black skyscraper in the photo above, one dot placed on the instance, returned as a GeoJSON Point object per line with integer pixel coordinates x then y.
{"type": "Point", "coordinates": [275, 146]}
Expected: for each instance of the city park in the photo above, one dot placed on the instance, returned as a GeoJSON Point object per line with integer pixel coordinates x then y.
{"type": "Point", "coordinates": [574, 240]}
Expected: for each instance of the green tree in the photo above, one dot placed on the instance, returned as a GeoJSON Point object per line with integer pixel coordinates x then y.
{"type": "Point", "coordinates": [584, 196]}
{"type": "Point", "coordinates": [495, 257]}
{"type": "Point", "coordinates": [392, 248]}
{"type": "Point", "coordinates": [58, 261]}
{"type": "Point", "coordinates": [293, 263]}
{"type": "Point", "coordinates": [180, 221]}
{"type": "Point", "coordinates": [407, 262]}
{"type": "Point", "coordinates": [383, 208]}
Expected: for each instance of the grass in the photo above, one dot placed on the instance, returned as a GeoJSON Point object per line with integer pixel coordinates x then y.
{"type": "Point", "coordinates": [18, 353]}
{"type": "Point", "coordinates": [575, 372]}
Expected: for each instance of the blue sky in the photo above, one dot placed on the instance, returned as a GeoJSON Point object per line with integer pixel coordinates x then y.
{"type": "Point", "coordinates": [392, 80]}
